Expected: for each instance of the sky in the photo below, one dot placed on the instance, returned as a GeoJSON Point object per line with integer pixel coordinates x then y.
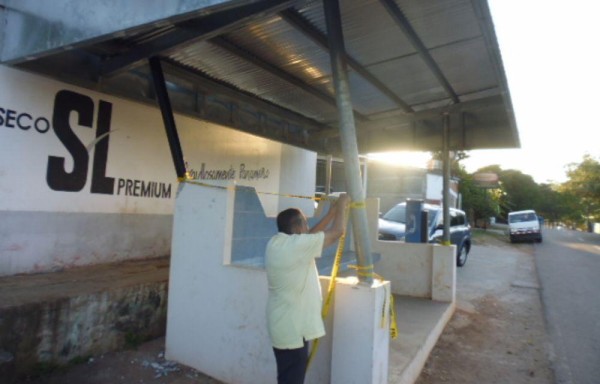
{"type": "Point", "coordinates": [551, 55]}
{"type": "Point", "coordinates": [551, 59]}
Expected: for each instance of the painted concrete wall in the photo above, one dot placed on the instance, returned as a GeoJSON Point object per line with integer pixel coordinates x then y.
{"type": "Point", "coordinates": [418, 270]}
{"type": "Point", "coordinates": [435, 188]}
{"type": "Point", "coordinates": [361, 338]}
{"type": "Point", "coordinates": [87, 178]}
{"type": "Point", "coordinates": [216, 317]}
{"type": "Point", "coordinates": [215, 310]}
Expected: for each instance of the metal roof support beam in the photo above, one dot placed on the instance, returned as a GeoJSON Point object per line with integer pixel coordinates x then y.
{"type": "Point", "coordinates": [398, 16]}
{"type": "Point", "coordinates": [304, 26]}
{"type": "Point", "coordinates": [418, 116]}
{"type": "Point", "coordinates": [348, 140]}
{"type": "Point", "coordinates": [164, 103]}
{"type": "Point", "coordinates": [184, 33]}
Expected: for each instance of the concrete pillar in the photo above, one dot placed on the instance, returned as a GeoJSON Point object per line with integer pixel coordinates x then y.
{"type": "Point", "coordinates": [443, 273]}
{"type": "Point", "coordinates": [360, 350]}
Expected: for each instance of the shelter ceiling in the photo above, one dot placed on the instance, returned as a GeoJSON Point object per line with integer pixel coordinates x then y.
{"type": "Point", "coordinates": [263, 67]}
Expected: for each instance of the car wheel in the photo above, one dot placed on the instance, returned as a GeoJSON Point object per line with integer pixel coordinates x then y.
{"type": "Point", "coordinates": [461, 256]}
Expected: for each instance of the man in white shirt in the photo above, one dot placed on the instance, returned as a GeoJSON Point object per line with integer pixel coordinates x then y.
{"type": "Point", "coordinates": [294, 303]}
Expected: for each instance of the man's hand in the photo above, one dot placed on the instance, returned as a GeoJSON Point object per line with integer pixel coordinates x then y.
{"type": "Point", "coordinates": [337, 227]}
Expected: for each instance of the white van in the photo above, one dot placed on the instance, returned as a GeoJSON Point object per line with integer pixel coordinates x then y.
{"type": "Point", "coordinates": [524, 225]}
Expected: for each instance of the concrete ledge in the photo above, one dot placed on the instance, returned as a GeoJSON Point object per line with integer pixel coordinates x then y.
{"type": "Point", "coordinates": [420, 324]}
{"type": "Point", "coordinates": [129, 293]}
{"type": "Point", "coordinates": [53, 318]}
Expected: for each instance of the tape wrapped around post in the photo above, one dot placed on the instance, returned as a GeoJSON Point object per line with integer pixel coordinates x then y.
{"type": "Point", "coordinates": [358, 205]}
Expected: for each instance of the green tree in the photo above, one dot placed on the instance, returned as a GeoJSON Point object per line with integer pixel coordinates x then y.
{"type": "Point", "coordinates": [575, 202]}
{"type": "Point", "coordinates": [479, 203]}
{"type": "Point", "coordinates": [584, 185]}
{"type": "Point", "coordinates": [521, 191]}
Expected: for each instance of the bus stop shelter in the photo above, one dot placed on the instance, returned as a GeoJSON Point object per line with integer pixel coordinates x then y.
{"type": "Point", "coordinates": [339, 79]}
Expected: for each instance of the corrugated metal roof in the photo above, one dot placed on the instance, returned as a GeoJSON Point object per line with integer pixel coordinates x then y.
{"type": "Point", "coordinates": [409, 62]}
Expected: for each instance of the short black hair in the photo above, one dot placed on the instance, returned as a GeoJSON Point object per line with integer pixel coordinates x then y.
{"type": "Point", "coordinates": [288, 219]}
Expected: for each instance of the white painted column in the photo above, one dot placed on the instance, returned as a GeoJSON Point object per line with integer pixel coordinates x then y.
{"type": "Point", "coordinates": [360, 350]}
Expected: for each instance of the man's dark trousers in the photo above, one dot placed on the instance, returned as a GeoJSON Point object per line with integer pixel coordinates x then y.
{"type": "Point", "coordinates": [291, 364]}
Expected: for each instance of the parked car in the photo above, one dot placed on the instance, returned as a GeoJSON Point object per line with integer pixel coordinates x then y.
{"type": "Point", "coordinates": [392, 226]}
{"type": "Point", "coordinates": [524, 225]}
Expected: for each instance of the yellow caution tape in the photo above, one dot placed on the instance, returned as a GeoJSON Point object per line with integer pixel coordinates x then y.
{"type": "Point", "coordinates": [184, 178]}
{"type": "Point", "coordinates": [332, 282]}
{"type": "Point", "coordinates": [187, 179]}
{"type": "Point", "coordinates": [393, 323]}
{"type": "Point", "coordinates": [363, 270]}
{"type": "Point", "coordinates": [392, 311]}
{"type": "Point", "coordinates": [382, 324]}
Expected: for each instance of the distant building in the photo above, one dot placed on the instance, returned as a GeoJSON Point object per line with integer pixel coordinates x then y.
{"type": "Point", "coordinates": [393, 184]}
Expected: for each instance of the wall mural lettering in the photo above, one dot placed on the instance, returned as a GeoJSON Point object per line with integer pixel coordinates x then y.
{"type": "Point", "coordinates": [10, 118]}
{"type": "Point", "coordinates": [59, 179]}
{"type": "Point", "coordinates": [230, 173]}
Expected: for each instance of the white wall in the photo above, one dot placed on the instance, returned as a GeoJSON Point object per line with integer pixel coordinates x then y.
{"type": "Point", "coordinates": [294, 179]}
{"type": "Point", "coordinates": [216, 317]}
{"type": "Point", "coordinates": [414, 269]}
{"type": "Point", "coordinates": [435, 187]}
{"type": "Point", "coordinates": [51, 217]}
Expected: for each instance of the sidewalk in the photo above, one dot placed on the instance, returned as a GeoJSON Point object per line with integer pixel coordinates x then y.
{"type": "Point", "coordinates": [498, 332]}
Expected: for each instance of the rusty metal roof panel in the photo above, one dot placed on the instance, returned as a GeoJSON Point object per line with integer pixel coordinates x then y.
{"type": "Point", "coordinates": [279, 45]}
{"type": "Point", "coordinates": [282, 45]}
{"type": "Point", "coordinates": [218, 63]}
{"type": "Point", "coordinates": [215, 62]}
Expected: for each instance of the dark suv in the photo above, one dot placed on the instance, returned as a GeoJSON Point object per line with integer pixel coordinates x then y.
{"type": "Point", "coordinates": [392, 226]}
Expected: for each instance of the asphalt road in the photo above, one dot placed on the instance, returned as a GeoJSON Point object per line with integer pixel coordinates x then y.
{"type": "Point", "coordinates": [568, 265]}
